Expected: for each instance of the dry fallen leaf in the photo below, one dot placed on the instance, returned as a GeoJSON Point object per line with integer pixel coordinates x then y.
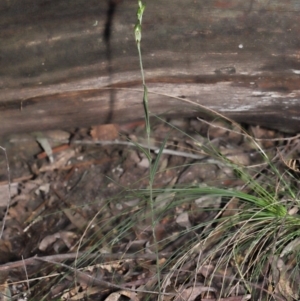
{"type": "Point", "coordinates": [183, 220]}
{"type": "Point", "coordinates": [48, 240]}
{"type": "Point", "coordinates": [66, 236]}
{"type": "Point", "coordinates": [74, 294]}
{"type": "Point", "coordinates": [105, 132]}
{"type": "Point", "coordinates": [4, 193]}
{"type": "Point", "coordinates": [117, 296]}
{"type": "Point", "coordinates": [287, 284]}
{"type": "Point", "coordinates": [61, 160]}
{"type": "Point", "coordinates": [192, 293]}
{"type": "Point", "coordinates": [5, 251]}
{"type": "Point", "coordinates": [5, 293]}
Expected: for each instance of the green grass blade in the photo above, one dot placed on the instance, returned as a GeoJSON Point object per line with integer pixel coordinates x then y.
{"type": "Point", "coordinates": [155, 165]}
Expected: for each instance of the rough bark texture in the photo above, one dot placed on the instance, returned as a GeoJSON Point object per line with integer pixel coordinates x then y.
{"type": "Point", "coordinates": [59, 58]}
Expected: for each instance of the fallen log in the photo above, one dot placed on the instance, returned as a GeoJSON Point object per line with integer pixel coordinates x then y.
{"type": "Point", "coordinates": [61, 69]}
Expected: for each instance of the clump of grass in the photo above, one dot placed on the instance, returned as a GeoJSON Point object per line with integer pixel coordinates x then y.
{"type": "Point", "coordinates": [251, 239]}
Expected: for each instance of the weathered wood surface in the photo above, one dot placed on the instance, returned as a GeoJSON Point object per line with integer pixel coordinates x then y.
{"type": "Point", "coordinates": [55, 65]}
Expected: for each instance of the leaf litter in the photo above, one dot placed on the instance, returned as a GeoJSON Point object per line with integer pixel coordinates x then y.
{"type": "Point", "coordinates": [80, 227]}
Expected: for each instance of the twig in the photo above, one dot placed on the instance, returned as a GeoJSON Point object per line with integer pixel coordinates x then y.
{"type": "Point", "coordinates": [70, 256]}
{"type": "Point", "coordinates": [27, 278]}
{"type": "Point", "coordinates": [17, 180]}
{"type": "Point", "coordinates": [153, 148]}
{"type": "Point", "coordinates": [9, 191]}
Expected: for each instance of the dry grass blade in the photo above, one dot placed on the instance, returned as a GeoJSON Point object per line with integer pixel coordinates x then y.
{"type": "Point", "coordinates": [9, 192]}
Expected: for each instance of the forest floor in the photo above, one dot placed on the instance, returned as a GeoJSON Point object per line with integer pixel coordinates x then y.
{"type": "Point", "coordinates": [83, 208]}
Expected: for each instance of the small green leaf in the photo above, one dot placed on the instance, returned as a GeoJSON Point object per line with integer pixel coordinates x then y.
{"type": "Point", "coordinates": [143, 150]}
{"type": "Point", "coordinates": [138, 33]}
{"type": "Point", "coordinates": [140, 13]}
{"type": "Point", "coordinates": [146, 110]}
{"type": "Point", "coordinates": [155, 165]}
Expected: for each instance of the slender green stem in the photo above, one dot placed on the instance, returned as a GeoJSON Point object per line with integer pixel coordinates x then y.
{"type": "Point", "coordinates": [138, 37]}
